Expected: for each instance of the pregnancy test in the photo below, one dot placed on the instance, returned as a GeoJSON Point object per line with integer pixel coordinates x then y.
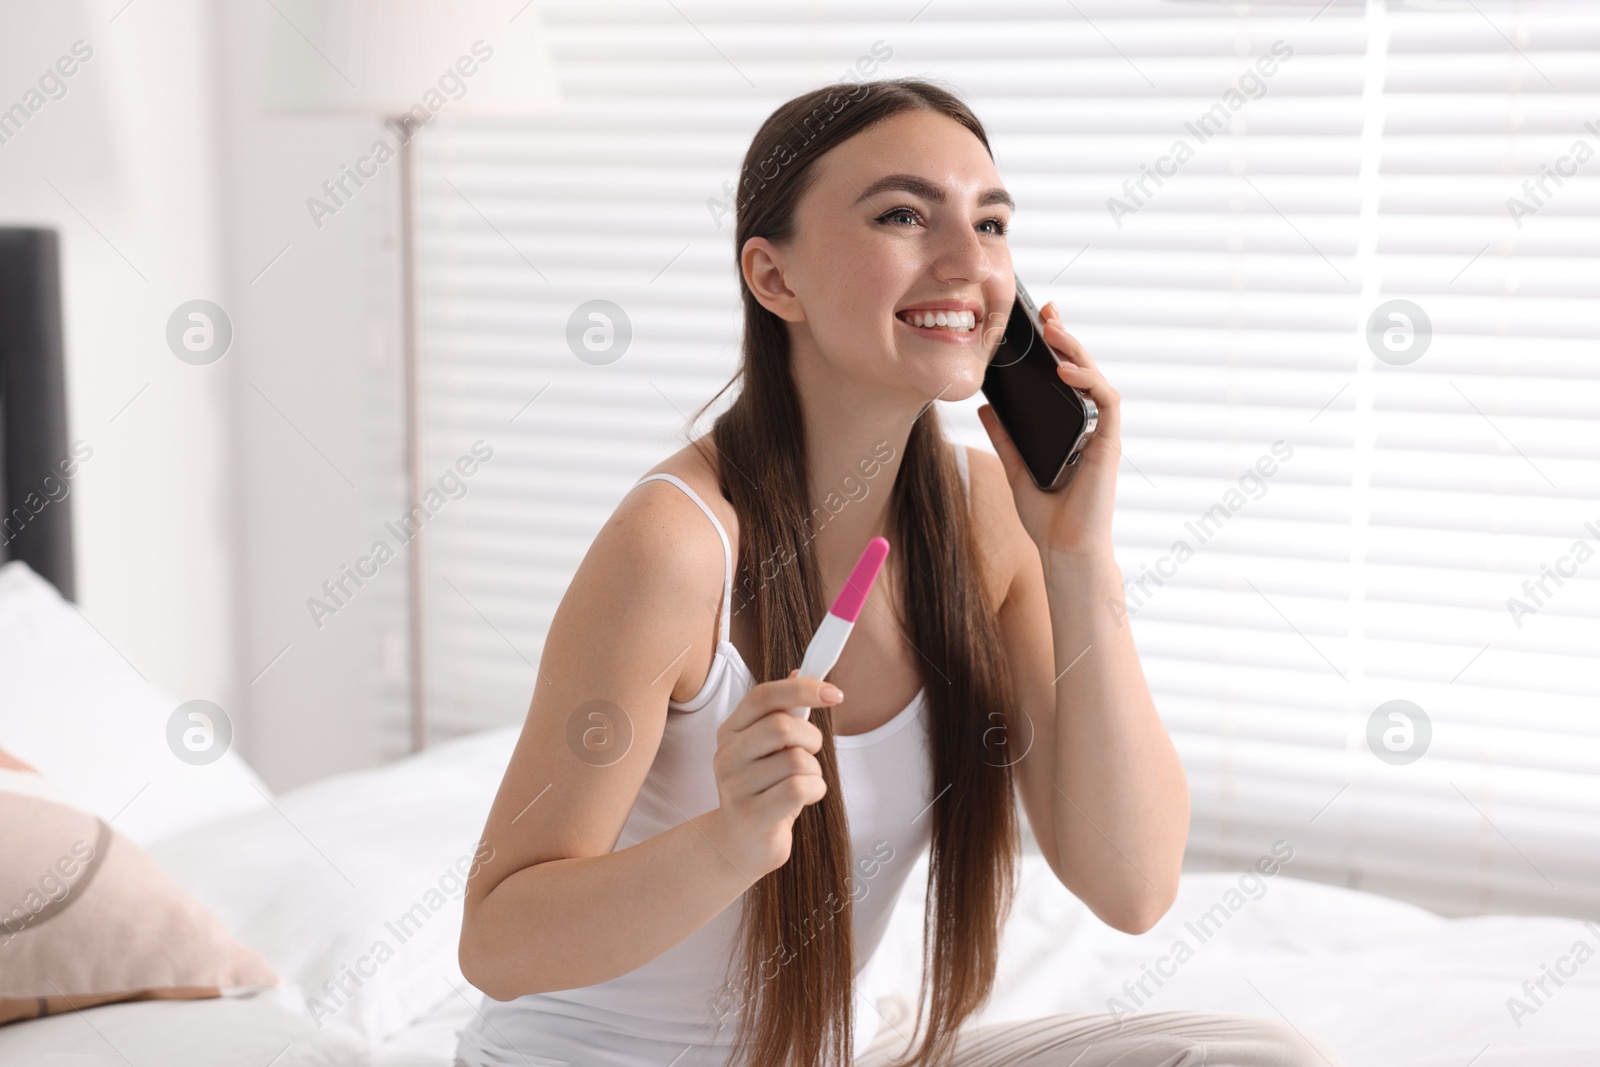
{"type": "Point", "coordinates": [828, 642]}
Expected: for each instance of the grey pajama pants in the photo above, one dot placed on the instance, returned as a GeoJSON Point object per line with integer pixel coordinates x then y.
{"type": "Point", "coordinates": [1156, 1039]}
{"type": "Point", "coordinates": [1153, 1039]}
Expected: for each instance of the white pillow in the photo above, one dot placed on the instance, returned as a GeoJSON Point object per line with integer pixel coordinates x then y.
{"type": "Point", "coordinates": [317, 885]}
{"type": "Point", "coordinates": [72, 707]}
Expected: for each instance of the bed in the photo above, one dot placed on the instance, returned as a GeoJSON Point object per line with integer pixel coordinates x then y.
{"type": "Point", "coordinates": [314, 880]}
{"type": "Point", "coordinates": [314, 877]}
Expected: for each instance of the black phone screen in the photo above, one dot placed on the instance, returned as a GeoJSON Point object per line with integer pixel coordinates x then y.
{"type": "Point", "coordinates": [1043, 415]}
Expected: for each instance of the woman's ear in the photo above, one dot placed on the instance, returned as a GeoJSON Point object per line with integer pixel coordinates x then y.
{"type": "Point", "coordinates": [762, 263]}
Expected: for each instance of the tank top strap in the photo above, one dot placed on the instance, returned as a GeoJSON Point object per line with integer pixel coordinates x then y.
{"type": "Point", "coordinates": [727, 550]}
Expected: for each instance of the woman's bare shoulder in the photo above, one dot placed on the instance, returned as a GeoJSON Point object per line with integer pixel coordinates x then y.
{"type": "Point", "coordinates": [695, 464]}
{"type": "Point", "coordinates": [659, 520]}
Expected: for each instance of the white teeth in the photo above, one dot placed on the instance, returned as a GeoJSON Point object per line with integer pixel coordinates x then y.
{"type": "Point", "coordinates": [960, 321]}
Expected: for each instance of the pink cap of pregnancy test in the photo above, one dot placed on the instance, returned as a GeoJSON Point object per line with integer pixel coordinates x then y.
{"type": "Point", "coordinates": [854, 594]}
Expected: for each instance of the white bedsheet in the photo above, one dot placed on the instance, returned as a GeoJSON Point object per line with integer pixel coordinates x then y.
{"type": "Point", "coordinates": [268, 1028]}
{"type": "Point", "coordinates": [1390, 985]}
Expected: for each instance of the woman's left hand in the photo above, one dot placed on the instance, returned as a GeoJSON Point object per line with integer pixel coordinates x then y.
{"type": "Point", "coordinates": [1076, 519]}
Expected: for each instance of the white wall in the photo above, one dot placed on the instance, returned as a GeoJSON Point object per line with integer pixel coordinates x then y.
{"type": "Point", "coordinates": [317, 423]}
{"type": "Point", "coordinates": [317, 385]}
{"type": "Point", "coordinates": [123, 166]}
{"type": "Point", "coordinates": [211, 508]}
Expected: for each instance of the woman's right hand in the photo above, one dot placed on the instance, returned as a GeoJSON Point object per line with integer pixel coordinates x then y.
{"type": "Point", "coordinates": [767, 770]}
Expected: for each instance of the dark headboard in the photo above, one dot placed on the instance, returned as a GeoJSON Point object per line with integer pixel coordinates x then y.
{"type": "Point", "coordinates": [35, 504]}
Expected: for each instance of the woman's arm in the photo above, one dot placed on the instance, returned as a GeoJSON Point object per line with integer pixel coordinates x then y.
{"type": "Point", "coordinates": [550, 905]}
{"type": "Point", "coordinates": [566, 923]}
{"type": "Point", "coordinates": [1120, 797]}
{"type": "Point", "coordinates": [1102, 785]}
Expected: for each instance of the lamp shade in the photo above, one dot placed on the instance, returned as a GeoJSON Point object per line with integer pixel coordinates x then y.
{"type": "Point", "coordinates": [386, 57]}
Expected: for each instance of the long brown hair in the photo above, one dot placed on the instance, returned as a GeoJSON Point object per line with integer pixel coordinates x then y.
{"type": "Point", "coordinates": [797, 962]}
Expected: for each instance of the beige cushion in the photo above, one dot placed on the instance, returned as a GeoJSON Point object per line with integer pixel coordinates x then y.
{"type": "Point", "coordinates": [87, 918]}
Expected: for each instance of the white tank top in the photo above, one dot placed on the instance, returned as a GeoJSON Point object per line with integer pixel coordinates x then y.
{"type": "Point", "coordinates": [681, 1007]}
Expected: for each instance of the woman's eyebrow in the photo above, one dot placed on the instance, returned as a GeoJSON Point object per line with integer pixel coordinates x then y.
{"type": "Point", "coordinates": [910, 183]}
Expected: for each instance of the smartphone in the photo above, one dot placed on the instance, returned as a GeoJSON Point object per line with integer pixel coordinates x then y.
{"type": "Point", "coordinates": [1049, 421]}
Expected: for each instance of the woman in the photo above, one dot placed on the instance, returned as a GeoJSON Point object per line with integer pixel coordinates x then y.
{"type": "Point", "coordinates": [674, 879]}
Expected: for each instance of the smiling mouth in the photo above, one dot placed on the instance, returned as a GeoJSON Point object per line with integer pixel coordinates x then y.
{"type": "Point", "coordinates": [945, 321]}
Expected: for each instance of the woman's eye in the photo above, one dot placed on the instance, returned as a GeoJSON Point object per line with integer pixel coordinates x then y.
{"type": "Point", "coordinates": [996, 227]}
{"type": "Point", "coordinates": [899, 212]}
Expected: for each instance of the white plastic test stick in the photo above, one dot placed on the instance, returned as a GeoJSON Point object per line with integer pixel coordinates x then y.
{"type": "Point", "coordinates": [828, 642]}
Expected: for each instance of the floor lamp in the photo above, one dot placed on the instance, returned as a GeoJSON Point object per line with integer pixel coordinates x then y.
{"type": "Point", "coordinates": [407, 63]}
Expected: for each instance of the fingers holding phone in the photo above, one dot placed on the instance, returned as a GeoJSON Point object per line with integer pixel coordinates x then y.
{"type": "Point", "coordinates": [1054, 420]}
{"type": "Point", "coordinates": [1079, 370]}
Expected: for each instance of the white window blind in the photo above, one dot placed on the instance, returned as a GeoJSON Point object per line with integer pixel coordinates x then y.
{"type": "Point", "coordinates": [1352, 526]}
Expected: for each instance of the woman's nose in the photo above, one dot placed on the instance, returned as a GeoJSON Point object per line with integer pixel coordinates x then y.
{"type": "Point", "coordinates": [959, 256]}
